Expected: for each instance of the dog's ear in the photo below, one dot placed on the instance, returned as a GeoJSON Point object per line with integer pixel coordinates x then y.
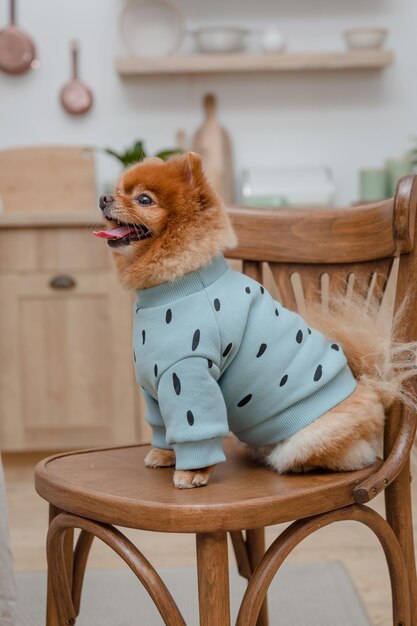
{"type": "Point", "coordinates": [193, 166]}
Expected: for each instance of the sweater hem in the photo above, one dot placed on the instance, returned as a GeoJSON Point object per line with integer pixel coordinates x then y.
{"type": "Point", "coordinates": [299, 415]}
{"type": "Point", "coordinates": [197, 454]}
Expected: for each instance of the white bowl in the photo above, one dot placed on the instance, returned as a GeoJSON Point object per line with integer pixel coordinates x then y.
{"type": "Point", "coordinates": [151, 27]}
{"type": "Point", "coordinates": [220, 39]}
{"type": "Point", "coordinates": [365, 38]}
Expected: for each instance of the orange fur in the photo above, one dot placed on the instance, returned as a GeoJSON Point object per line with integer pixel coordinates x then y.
{"type": "Point", "coordinates": [158, 457]}
{"type": "Point", "coordinates": [188, 222]}
{"type": "Point", "coordinates": [188, 227]}
{"type": "Point", "coordinates": [188, 479]}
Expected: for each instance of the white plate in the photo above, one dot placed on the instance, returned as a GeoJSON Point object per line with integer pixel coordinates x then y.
{"type": "Point", "coordinates": [151, 27]}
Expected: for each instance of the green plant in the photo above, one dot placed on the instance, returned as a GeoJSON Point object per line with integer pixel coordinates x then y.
{"type": "Point", "coordinates": [136, 153]}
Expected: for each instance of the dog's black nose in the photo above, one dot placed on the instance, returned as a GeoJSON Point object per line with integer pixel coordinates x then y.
{"type": "Point", "coordinates": [104, 201]}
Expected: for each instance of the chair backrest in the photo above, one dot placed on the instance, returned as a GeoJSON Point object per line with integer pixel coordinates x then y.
{"type": "Point", "coordinates": [310, 252]}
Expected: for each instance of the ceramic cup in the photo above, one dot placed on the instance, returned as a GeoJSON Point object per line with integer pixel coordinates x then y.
{"type": "Point", "coordinates": [373, 184]}
{"type": "Point", "coordinates": [396, 168]}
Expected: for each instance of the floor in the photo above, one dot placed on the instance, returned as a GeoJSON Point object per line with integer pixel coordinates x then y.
{"type": "Point", "coordinates": [347, 541]}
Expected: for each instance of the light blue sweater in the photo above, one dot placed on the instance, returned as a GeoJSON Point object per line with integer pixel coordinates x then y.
{"type": "Point", "coordinates": [215, 353]}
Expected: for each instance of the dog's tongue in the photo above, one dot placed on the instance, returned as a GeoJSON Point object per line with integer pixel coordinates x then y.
{"type": "Point", "coordinates": [115, 233]}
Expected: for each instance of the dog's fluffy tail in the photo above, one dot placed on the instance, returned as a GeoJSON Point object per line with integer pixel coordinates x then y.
{"type": "Point", "coordinates": [373, 352]}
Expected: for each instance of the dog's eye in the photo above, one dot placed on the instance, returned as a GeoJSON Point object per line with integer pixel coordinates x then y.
{"type": "Point", "coordinates": [144, 200]}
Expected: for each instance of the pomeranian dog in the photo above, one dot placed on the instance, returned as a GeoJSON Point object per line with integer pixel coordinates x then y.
{"type": "Point", "coordinates": [215, 353]}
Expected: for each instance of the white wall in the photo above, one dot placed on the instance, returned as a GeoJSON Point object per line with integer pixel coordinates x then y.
{"type": "Point", "coordinates": [346, 120]}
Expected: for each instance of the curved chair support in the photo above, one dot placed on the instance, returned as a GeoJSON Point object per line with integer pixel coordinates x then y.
{"type": "Point", "coordinates": [66, 604]}
{"type": "Point", "coordinates": [294, 534]}
{"type": "Point", "coordinates": [402, 444]}
{"type": "Point", "coordinates": [81, 552]}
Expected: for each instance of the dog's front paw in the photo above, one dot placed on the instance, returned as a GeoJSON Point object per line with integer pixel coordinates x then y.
{"type": "Point", "coordinates": [188, 479]}
{"type": "Point", "coordinates": [157, 457]}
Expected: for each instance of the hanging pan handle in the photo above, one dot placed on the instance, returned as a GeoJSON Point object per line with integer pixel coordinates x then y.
{"type": "Point", "coordinates": [12, 13]}
{"type": "Point", "coordinates": [74, 55]}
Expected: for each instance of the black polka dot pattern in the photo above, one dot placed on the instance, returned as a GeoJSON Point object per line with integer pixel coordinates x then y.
{"type": "Point", "coordinates": [143, 337]}
{"type": "Point", "coordinates": [244, 401]}
{"type": "Point", "coordinates": [299, 336]}
{"type": "Point", "coordinates": [318, 373]}
{"type": "Point", "coordinates": [283, 380]}
{"type": "Point", "coordinates": [227, 349]}
{"type": "Point", "coordinates": [168, 316]}
{"type": "Point", "coordinates": [309, 331]}
{"type": "Point", "coordinates": [177, 384]}
{"type": "Point", "coordinates": [217, 304]}
{"type": "Point", "coordinates": [261, 350]}
{"type": "Point", "coordinates": [155, 370]}
{"type": "Point", "coordinates": [262, 289]}
{"type": "Point", "coordinates": [277, 312]}
{"type": "Point", "coordinates": [190, 418]}
{"type": "Point", "coordinates": [210, 363]}
{"type": "Point", "coordinates": [334, 346]}
{"type": "Point", "coordinates": [196, 340]}
{"type": "Point", "coordinates": [247, 289]}
{"type": "Point", "coordinates": [134, 356]}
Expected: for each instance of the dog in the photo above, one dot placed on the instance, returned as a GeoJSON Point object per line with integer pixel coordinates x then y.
{"type": "Point", "coordinates": [214, 352]}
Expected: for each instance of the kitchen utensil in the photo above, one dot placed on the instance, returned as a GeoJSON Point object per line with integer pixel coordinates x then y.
{"type": "Point", "coordinates": [213, 143]}
{"type": "Point", "coordinates": [365, 38]}
{"type": "Point", "coordinates": [151, 27]}
{"type": "Point", "coordinates": [41, 179]}
{"type": "Point", "coordinates": [17, 50]}
{"type": "Point", "coordinates": [181, 138]}
{"type": "Point", "coordinates": [288, 186]}
{"type": "Point", "coordinates": [76, 97]}
{"type": "Point", "coordinates": [272, 40]}
{"type": "Point", "coordinates": [215, 39]}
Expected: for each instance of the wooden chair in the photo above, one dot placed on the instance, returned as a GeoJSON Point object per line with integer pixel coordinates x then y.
{"type": "Point", "coordinates": [94, 490]}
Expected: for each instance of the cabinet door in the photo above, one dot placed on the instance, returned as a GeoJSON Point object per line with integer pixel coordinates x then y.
{"type": "Point", "coordinates": [66, 376]}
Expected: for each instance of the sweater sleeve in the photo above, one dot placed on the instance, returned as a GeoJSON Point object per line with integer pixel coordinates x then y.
{"type": "Point", "coordinates": [154, 418]}
{"type": "Point", "coordinates": [194, 412]}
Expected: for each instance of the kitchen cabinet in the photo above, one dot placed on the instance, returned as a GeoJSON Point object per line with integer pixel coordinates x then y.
{"type": "Point", "coordinates": [66, 376]}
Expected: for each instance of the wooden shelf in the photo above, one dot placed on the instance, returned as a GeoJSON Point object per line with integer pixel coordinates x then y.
{"type": "Point", "coordinates": [244, 63]}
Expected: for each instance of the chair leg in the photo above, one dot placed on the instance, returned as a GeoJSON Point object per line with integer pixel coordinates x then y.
{"type": "Point", "coordinates": [399, 516]}
{"type": "Point", "coordinates": [52, 618]}
{"type": "Point", "coordinates": [255, 540]}
{"type": "Point", "coordinates": [213, 579]}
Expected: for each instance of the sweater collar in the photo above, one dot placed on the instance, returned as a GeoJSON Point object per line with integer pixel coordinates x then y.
{"type": "Point", "coordinates": [185, 286]}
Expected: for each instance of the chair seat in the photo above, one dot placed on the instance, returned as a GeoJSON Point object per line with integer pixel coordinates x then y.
{"type": "Point", "coordinates": [112, 485]}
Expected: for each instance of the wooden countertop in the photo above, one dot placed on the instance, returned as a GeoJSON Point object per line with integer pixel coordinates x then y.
{"type": "Point", "coordinates": [50, 220]}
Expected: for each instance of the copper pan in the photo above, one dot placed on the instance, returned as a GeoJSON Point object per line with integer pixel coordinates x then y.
{"type": "Point", "coordinates": [76, 97]}
{"type": "Point", "coordinates": [17, 50]}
